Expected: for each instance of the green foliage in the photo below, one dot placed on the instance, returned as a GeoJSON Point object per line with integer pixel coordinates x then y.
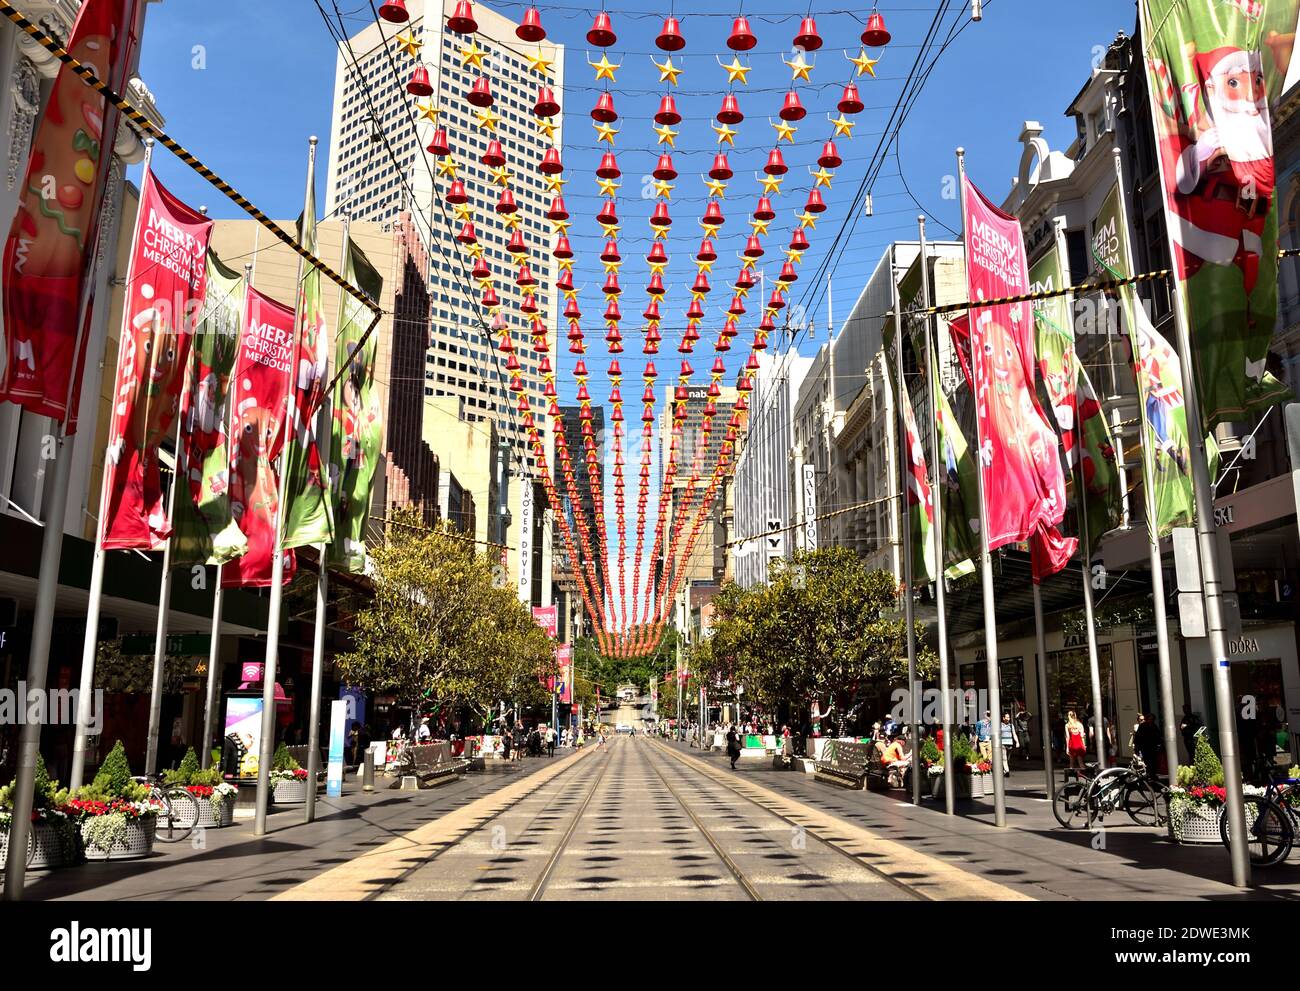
{"type": "Point", "coordinates": [102, 832]}
{"type": "Point", "coordinates": [441, 630]}
{"type": "Point", "coordinates": [114, 776]}
{"type": "Point", "coordinates": [824, 628]}
{"type": "Point", "coordinates": [1208, 769]}
{"type": "Point", "coordinates": [184, 774]}
{"type": "Point", "coordinates": [46, 795]}
{"type": "Point", "coordinates": [930, 752]}
{"type": "Point", "coordinates": [283, 760]}
{"type": "Point", "coordinates": [962, 750]}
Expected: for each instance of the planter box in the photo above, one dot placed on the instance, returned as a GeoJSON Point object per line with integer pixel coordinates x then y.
{"type": "Point", "coordinates": [290, 792]}
{"type": "Point", "coordinates": [137, 843]}
{"type": "Point", "coordinates": [48, 853]}
{"type": "Point", "coordinates": [960, 780]}
{"type": "Point", "coordinates": [210, 818]}
{"type": "Point", "coordinates": [979, 787]}
{"type": "Point", "coordinates": [1194, 823]}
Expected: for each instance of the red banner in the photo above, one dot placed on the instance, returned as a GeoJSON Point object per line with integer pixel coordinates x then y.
{"type": "Point", "coordinates": [564, 658]}
{"type": "Point", "coordinates": [261, 395]}
{"type": "Point", "coordinates": [49, 254]}
{"type": "Point", "coordinates": [546, 618]}
{"type": "Point", "coordinates": [1024, 484]}
{"type": "Point", "coordinates": [165, 286]}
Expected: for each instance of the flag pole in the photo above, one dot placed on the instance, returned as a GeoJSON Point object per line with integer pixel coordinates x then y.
{"type": "Point", "coordinates": [936, 527]}
{"type": "Point", "coordinates": [1164, 666]}
{"type": "Point", "coordinates": [267, 748]}
{"type": "Point", "coordinates": [1081, 498]}
{"type": "Point", "coordinates": [324, 441]}
{"type": "Point", "coordinates": [160, 634]}
{"type": "Point", "coordinates": [1044, 710]}
{"type": "Point", "coordinates": [986, 579]}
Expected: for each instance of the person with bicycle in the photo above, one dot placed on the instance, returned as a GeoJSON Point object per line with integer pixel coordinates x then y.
{"type": "Point", "coordinates": [1076, 741]}
{"type": "Point", "coordinates": [1147, 743]}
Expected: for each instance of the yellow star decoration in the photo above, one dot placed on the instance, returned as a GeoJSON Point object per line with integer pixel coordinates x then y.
{"type": "Point", "coordinates": [611, 230]}
{"type": "Point", "coordinates": [538, 64]}
{"type": "Point", "coordinates": [664, 189]}
{"type": "Point", "coordinates": [799, 68]}
{"type": "Point", "coordinates": [555, 184]}
{"type": "Point", "coordinates": [668, 72]}
{"type": "Point", "coordinates": [611, 266]}
{"type": "Point", "coordinates": [667, 136]}
{"type": "Point", "coordinates": [698, 293]}
{"type": "Point", "coordinates": [784, 129]}
{"type": "Point", "coordinates": [487, 119]}
{"type": "Point", "coordinates": [447, 166]}
{"type": "Point", "coordinates": [771, 184]}
{"type": "Point", "coordinates": [607, 186]}
{"type": "Point", "coordinates": [703, 266]}
{"type": "Point", "coordinates": [710, 230]}
{"type": "Point", "coordinates": [865, 63]}
{"type": "Point", "coordinates": [808, 220]}
{"type": "Point", "coordinates": [760, 226]}
{"type": "Point", "coordinates": [485, 283]}
{"type": "Point", "coordinates": [843, 126]}
{"type": "Point", "coordinates": [717, 188]}
{"type": "Point", "coordinates": [462, 211]}
{"type": "Point", "coordinates": [736, 71]}
{"type": "Point", "coordinates": [725, 134]}
{"type": "Point", "coordinates": [502, 176]}
{"type": "Point", "coordinates": [512, 220]}
{"type": "Point", "coordinates": [795, 255]}
{"type": "Point", "coordinates": [566, 264]}
{"type": "Point", "coordinates": [475, 250]}
{"type": "Point", "coordinates": [428, 111]}
{"type": "Point", "coordinates": [561, 226]}
{"type": "Point", "coordinates": [604, 68]}
{"type": "Point", "coordinates": [547, 128]}
{"type": "Point", "coordinates": [661, 233]}
{"type": "Point", "coordinates": [472, 55]}
{"type": "Point", "coordinates": [657, 268]}
{"type": "Point", "coordinates": [823, 178]}
{"type": "Point", "coordinates": [407, 43]}
{"type": "Point", "coordinates": [604, 132]}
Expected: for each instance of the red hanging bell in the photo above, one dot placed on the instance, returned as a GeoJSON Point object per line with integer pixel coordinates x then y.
{"type": "Point", "coordinates": [656, 285]}
{"type": "Point", "coordinates": [506, 202]}
{"type": "Point", "coordinates": [652, 313]}
{"type": "Point", "coordinates": [745, 277]}
{"type": "Point", "coordinates": [829, 158]}
{"type": "Point", "coordinates": [525, 276]}
{"type": "Point", "coordinates": [667, 112]}
{"type": "Point", "coordinates": [608, 167]}
{"type": "Point", "coordinates": [558, 210]}
{"type": "Point", "coordinates": [602, 32]}
{"type": "Point", "coordinates": [742, 38]}
{"type": "Point", "coordinates": [695, 311]}
{"type": "Point", "coordinates": [562, 248]}
{"type": "Point", "coordinates": [611, 286]}
{"type": "Point", "coordinates": [707, 253]}
{"type": "Point", "coordinates": [456, 193]}
{"type": "Point", "coordinates": [438, 143]}
{"type": "Point", "coordinates": [808, 39]}
{"type": "Point", "coordinates": [767, 323]}
{"type": "Point", "coordinates": [467, 233]}
{"type": "Point", "coordinates": [419, 84]}
{"type": "Point", "coordinates": [657, 254]}
{"type": "Point", "coordinates": [604, 110]}
{"type": "Point", "coordinates": [660, 216]}
{"type": "Point", "coordinates": [701, 284]}
{"type": "Point", "coordinates": [481, 270]}
{"type": "Point", "coordinates": [753, 247]}
{"type": "Point", "coordinates": [788, 274]}
{"type": "Point", "coordinates": [764, 209]}
{"type": "Point", "coordinates": [546, 105]}
{"type": "Point", "coordinates": [737, 307]}
{"type": "Point", "coordinates": [480, 94]}
{"type": "Point", "coordinates": [775, 163]}
{"type": "Point", "coordinates": [551, 164]}
{"type": "Point", "coordinates": [608, 213]}
{"type": "Point", "coordinates": [516, 245]}
{"type": "Point", "coordinates": [776, 301]}
{"type": "Point", "coordinates": [850, 101]}
{"type": "Point", "coordinates": [730, 111]}
{"type": "Point", "coordinates": [529, 305]}
{"type": "Point", "coordinates": [798, 239]}
{"type": "Point", "coordinates": [663, 169]}
{"type": "Point", "coordinates": [713, 214]}
{"type": "Point", "coordinates": [720, 170]}
{"type": "Point", "coordinates": [875, 34]}
{"type": "Point", "coordinates": [462, 19]}
{"type": "Point", "coordinates": [612, 312]}
{"type": "Point", "coordinates": [490, 297]}
{"type": "Point", "coordinates": [394, 11]}
{"type": "Point", "coordinates": [815, 202]}
{"type": "Point", "coordinates": [792, 109]}
{"type": "Point", "coordinates": [670, 37]}
{"type": "Point", "coordinates": [531, 29]}
{"type": "Point", "coordinates": [572, 311]}
{"type": "Point", "coordinates": [610, 252]}
{"type": "Point", "coordinates": [494, 157]}
{"type": "Point", "coordinates": [565, 281]}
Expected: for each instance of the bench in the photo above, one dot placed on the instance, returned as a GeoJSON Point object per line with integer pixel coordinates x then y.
{"type": "Point", "coordinates": [300, 753]}
{"type": "Point", "coordinates": [847, 764]}
{"type": "Point", "coordinates": [432, 764]}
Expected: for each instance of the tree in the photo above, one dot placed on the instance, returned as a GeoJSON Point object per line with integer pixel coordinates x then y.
{"type": "Point", "coordinates": [439, 631]}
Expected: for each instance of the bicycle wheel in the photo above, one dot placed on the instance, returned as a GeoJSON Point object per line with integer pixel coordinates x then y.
{"type": "Point", "coordinates": [1269, 834]}
{"type": "Point", "coordinates": [179, 815]}
{"type": "Point", "coordinates": [1069, 804]}
{"type": "Point", "coordinates": [1143, 804]}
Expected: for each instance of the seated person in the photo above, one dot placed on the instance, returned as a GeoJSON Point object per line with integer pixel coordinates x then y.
{"type": "Point", "coordinates": [896, 761]}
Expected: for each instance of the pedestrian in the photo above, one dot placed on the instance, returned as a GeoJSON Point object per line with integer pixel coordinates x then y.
{"type": "Point", "coordinates": [1007, 734]}
{"type": "Point", "coordinates": [424, 734]}
{"type": "Point", "coordinates": [550, 741]}
{"type": "Point", "coordinates": [984, 736]}
{"type": "Point", "coordinates": [1022, 732]}
{"type": "Point", "coordinates": [1076, 741]}
{"type": "Point", "coordinates": [364, 740]}
{"type": "Point", "coordinates": [733, 745]}
{"type": "Point", "coordinates": [505, 744]}
{"type": "Point", "coordinates": [354, 740]}
{"type": "Point", "coordinates": [1107, 732]}
{"type": "Point", "coordinates": [1187, 728]}
{"type": "Point", "coordinates": [1147, 742]}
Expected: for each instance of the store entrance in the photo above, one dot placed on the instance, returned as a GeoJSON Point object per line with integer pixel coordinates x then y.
{"type": "Point", "coordinates": [1263, 731]}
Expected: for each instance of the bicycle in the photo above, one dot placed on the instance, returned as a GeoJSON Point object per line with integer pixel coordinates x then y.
{"type": "Point", "coordinates": [178, 810]}
{"type": "Point", "coordinates": [1271, 823]}
{"type": "Point", "coordinates": [1079, 803]}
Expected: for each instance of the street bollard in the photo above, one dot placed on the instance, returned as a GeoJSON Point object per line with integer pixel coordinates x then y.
{"type": "Point", "coordinates": [368, 772]}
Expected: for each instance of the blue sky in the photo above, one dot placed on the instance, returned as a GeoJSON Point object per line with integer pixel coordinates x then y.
{"type": "Point", "coordinates": [268, 76]}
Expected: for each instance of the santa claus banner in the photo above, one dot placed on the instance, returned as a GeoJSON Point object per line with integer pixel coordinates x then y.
{"type": "Point", "coordinates": [1215, 72]}
{"type": "Point", "coordinates": [204, 530]}
{"type": "Point", "coordinates": [1024, 485]}
{"type": "Point", "coordinates": [261, 397]}
{"type": "Point", "coordinates": [50, 251]}
{"type": "Point", "coordinates": [164, 294]}
{"type": "Point", "coordinates": [955, 481]}
{"type": "Point", "coordinates": [1085, 435]}
{"type": "Point", "coordinates": [357, 427]}
{"type": "Point", "coordinates": [920, 508]}
{"type": "Point", "coordinates": [564, 688]}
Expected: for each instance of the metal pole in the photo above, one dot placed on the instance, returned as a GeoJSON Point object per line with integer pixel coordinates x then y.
{"type": "Point", "coordinates": [990, 610]}
{"type": "Point", "coordinates": [940, 552]}
{"type": "Point", "coordinates": [277, 592]}
{"type": "Point", "coordinates": [324, 442]}
{"type": "Point", "coordinates": [1044, 717]}
{"type": "Point", "coordinates": [160, 634]}
{"type": "Point", "coordinates": [1164, 664]}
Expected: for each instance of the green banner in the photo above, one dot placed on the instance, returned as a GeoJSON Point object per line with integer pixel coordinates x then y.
{"type": "Point", "coordinates": [355, 446]}
{"type": "Point", "coordinates": [1080, 420]}
{"type": "Point", "coordinates": [1215, 72]}
{"type": "Point", "coordinates": [955, 477]}
{"type": "Point", "coordinates": [205, 532]}
{"type": "Point", "coordinates": [307, 512]}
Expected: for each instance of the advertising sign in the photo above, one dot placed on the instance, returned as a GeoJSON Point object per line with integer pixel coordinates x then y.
{"type": "Point", "coordinates": [334, 772]}
{"type": "Point", "coordinates": [243, 728]}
